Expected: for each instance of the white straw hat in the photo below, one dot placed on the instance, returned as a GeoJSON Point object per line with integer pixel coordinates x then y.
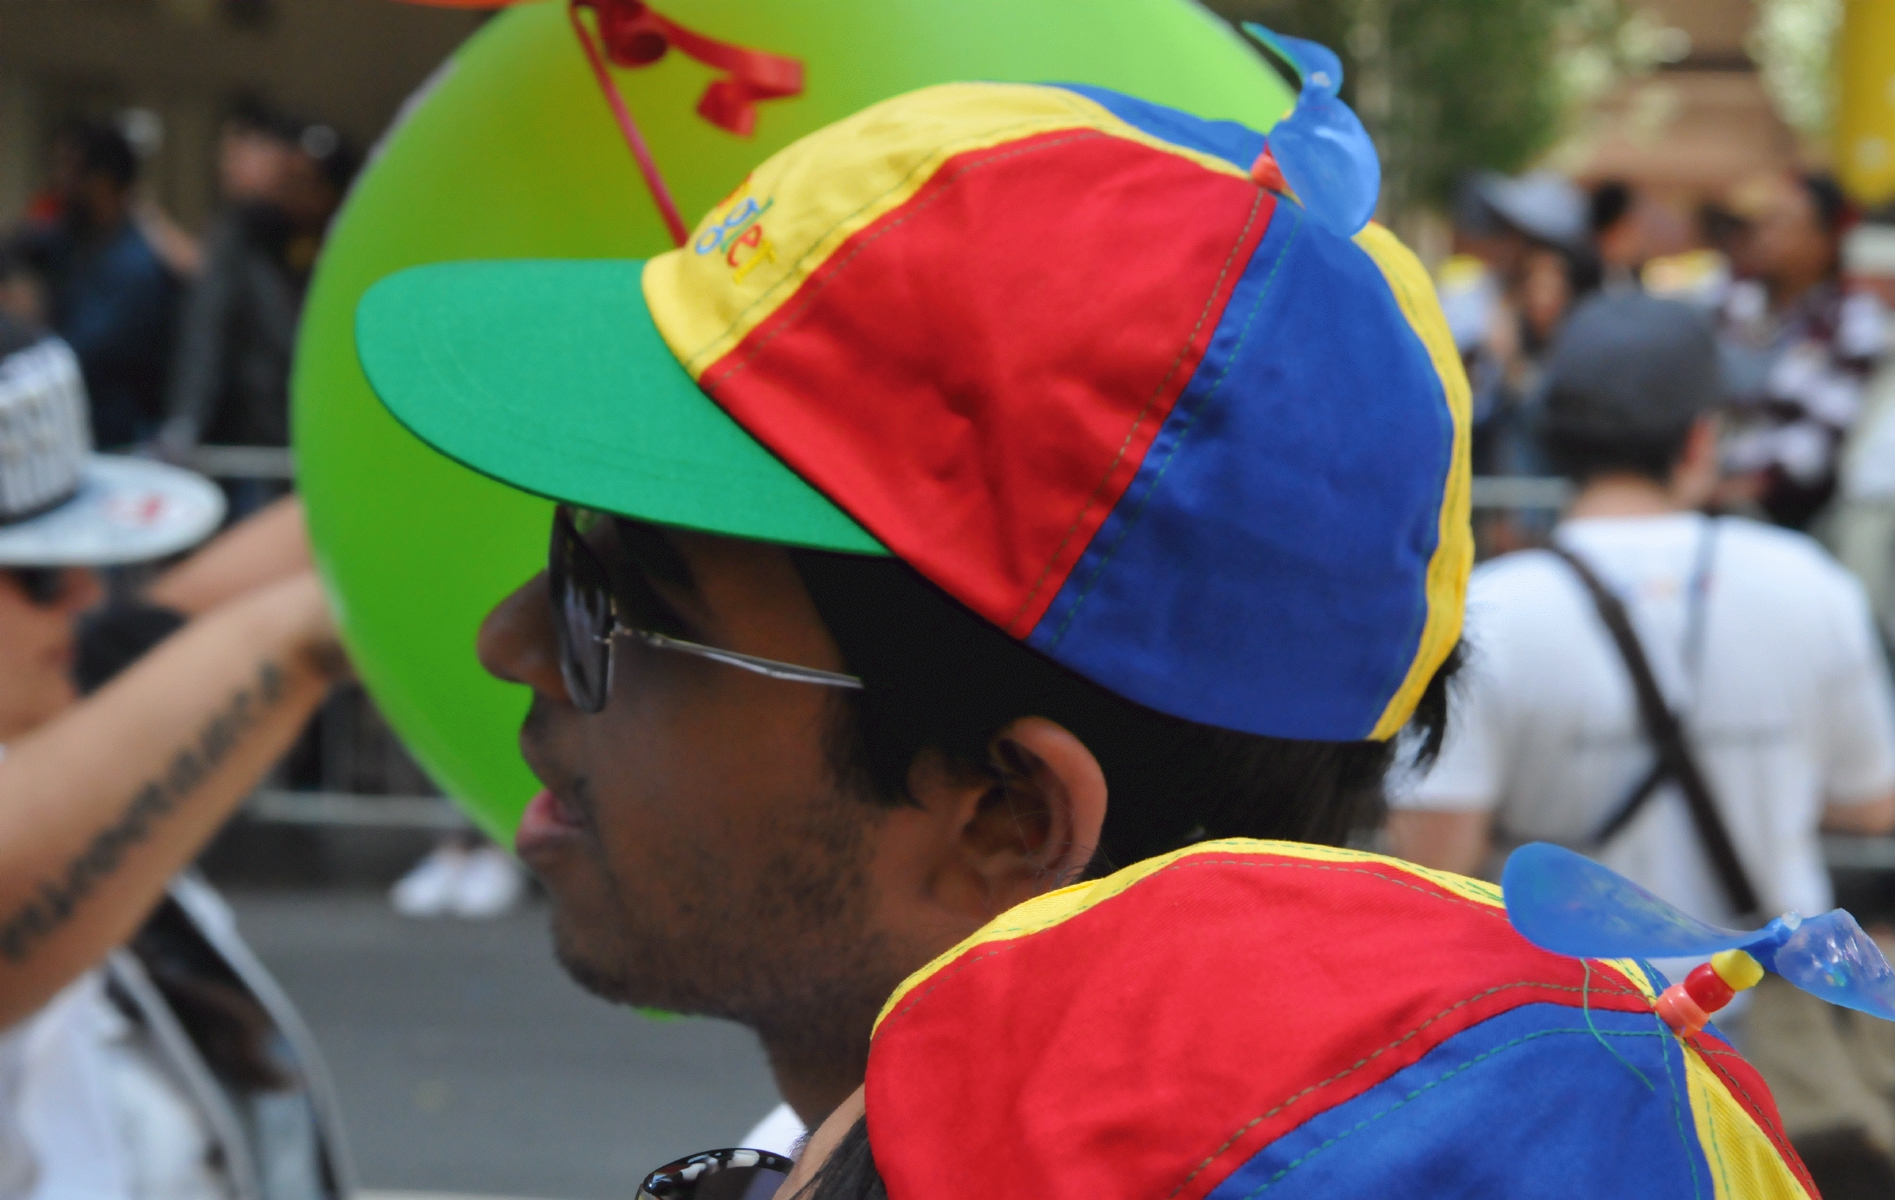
{"type": "Point", "coordinates": [61, 504]}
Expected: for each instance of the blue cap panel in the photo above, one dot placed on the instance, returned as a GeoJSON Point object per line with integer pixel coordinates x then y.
{"type": "Point", "coordinates": [1312, 447]}
{"type": "Point", "coordinates": [1520, 1105]}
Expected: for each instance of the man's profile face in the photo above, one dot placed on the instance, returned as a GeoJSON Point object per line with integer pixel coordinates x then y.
{"type": "Point", "coordinates": [700, 853]}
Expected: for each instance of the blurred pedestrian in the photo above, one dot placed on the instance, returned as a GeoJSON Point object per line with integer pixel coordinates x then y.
{"type": "Point", "coordinates": [1615, 216]}
{"type": "Point", "coordinates": [1797, 347]}
{"type": "Point", "coordinates": [107, 293]}
{"type": "Point", "coordinates": [1862, 528]}
{"type": "Point", "coordinates": [1768, 713]}
{"type": "Point", "coordinates": [143, 1050]}
{"type": "Point", "coordinates": [1537, 244]}
{"type": "Point", "coordinates": [282, 181]}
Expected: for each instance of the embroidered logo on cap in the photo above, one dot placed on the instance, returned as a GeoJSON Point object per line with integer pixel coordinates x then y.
{"type": "Point", "coordinates": [738, 235]}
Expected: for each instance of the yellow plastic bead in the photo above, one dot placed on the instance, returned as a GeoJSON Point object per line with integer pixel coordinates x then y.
{"type": "Point", "coordinates": [1737, 968]}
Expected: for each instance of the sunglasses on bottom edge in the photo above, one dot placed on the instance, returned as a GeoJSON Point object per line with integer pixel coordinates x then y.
{"type": "Point", "coordinates": [718, 1175]}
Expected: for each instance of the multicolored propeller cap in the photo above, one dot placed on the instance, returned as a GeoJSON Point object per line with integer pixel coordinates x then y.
{"type": "Point", "coordinates": [1566, 903]}
{"type": "Point", "coordinates": [1270, 1021]}
{"type": "Point", "coordinates": [1054, 346]}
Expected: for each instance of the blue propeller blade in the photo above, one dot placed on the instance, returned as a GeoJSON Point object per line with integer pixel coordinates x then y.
{"type": "Point", "coordinates": [1830, 956]}
{"type": "Point", "coordinates": [1322, 149]}
{"type": "Point", "coordinates": [1566, 903]}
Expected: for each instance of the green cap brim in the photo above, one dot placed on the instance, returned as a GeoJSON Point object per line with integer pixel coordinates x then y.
{"type": "Point", "coordinates": [551, 377]}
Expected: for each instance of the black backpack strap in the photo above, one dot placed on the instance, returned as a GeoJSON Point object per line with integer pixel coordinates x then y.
{"type": "Point", "coordinates": [1675, 759]}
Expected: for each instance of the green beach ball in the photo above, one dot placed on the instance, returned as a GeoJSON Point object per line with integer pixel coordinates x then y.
{"type": "Point", "coordinates": [512, 152]}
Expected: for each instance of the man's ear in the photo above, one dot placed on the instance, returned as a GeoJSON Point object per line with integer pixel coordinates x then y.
{"type": "Point", "coordinates": [1027, 823]}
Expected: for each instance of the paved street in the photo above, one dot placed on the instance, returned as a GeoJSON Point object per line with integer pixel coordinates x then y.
{"type": "Point", "coordinates": [468, 1063]}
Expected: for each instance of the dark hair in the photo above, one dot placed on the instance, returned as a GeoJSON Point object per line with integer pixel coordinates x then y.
{"type": "Point", "coordinates": [332, 153]}
{"type": "Point", "coordinates": [254, 115]}
{"type": "Point", "coordinates": [940, 677]}
{"type": "Point", "coordinates": [1585, 272]}
{"type": "Point", "coordinates": [1582, 455]}
{"type": "Point", "coordinates": [850, 1172]}
{"type": "Point", "coordinates": [1611, 201]}
{"type": "Point", "coordinates": [105, 151]}
{"type": "Point", "coordinates": [116, 636]}
{"type": "Point", "coordinates": [1827, 198]}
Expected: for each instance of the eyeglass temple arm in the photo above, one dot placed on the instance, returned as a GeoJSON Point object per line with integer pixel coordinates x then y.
{"type": "Point", "coordinates": [747, 662]}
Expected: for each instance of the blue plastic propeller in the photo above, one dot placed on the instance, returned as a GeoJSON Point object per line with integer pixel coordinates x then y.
{"type": "Point", "coordinates": [1324, 153]}
{"type": "Point", "coordinates": [1566, 903]}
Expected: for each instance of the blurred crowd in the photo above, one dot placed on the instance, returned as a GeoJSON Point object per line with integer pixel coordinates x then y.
{"type": "Point", "coordinates": [1684, 672]}
{"type": "Point", "coordinates": [181, 340]}
{"type": "Point", "coordinates": [1794, 280]}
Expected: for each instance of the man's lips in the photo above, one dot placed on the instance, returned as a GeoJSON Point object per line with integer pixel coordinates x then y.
{"type": "Point", "coordinates": [547, 819]}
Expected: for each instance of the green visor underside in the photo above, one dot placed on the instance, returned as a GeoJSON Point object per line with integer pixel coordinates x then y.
{"type": "Point", "coordinates": [549, 375]}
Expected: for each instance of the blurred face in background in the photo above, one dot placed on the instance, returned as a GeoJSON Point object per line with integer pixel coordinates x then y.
{"type": "Point", "coordinates": [1782, 242]}
{"type": "Point", "coordinates": [251, 164]}
{"type": "Point", "coordinates": [37, 643]}
{"type": "Point", "coordinates": [1545, 292]}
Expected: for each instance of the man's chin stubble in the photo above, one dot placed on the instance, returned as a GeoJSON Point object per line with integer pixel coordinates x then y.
{"type": "Point", "coordinates": [814, 973]}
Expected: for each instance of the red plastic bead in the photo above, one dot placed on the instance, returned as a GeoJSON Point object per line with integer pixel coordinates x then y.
{"type": "Point", "coordinates": [1708, 988]}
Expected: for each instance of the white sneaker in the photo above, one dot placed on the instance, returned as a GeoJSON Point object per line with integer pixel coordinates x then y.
{"type": "Point", "coordinates": [488, 886]}
{"type": "Point", "coordinates": [428, 889]}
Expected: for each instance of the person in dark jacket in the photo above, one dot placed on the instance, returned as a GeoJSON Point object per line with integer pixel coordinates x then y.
{"type": "Point", "coordinates": [107, 293]}
{"type": "Point", "coordinates": [283, 182]}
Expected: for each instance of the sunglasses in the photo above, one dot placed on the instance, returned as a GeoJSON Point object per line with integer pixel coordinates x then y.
{"type": "Point", "coordinates": [43, 586]}
{"type": "Point", "coordinates": [718, 1175]}
{"type": "Point", "coordinates": [590, 613]}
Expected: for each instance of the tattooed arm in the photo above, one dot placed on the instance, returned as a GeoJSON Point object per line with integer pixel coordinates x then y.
{"type": "Point", "coordinates": [100, 808]}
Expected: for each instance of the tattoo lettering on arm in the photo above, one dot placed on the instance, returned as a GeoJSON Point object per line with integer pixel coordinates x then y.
{"type": "Point", "coordinates": [194, 762]}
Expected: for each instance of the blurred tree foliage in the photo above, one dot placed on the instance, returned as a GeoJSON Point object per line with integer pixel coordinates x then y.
{"type": "Point", "coordinates": [1450, 86]}
{"type": "Point", "coordinates": [1792, 41]}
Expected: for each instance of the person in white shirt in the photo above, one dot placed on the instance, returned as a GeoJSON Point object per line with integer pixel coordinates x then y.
{"type": "Point", "coordinates": [104, 800]}
{"type": "Point", "coordinates": [1761, 645]}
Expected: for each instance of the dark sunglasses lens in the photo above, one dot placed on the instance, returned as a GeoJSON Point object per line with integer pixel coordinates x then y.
{"type": "Point", "coordinates": [582, 612]}
{"type": "Point", "coordinates": [42, 585]}
{"type": "Point", "coordinates": [718, 1175]}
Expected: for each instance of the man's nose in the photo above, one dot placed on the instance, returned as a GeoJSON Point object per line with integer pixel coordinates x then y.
{"type": "Point", "coordinates": [517, 642]}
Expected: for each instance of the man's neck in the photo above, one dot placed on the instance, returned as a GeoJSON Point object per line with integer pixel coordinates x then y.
{"type": "Point", "coordinates": [813, 1084]}
{"type": "Point", "coordinates": [1623, 496]}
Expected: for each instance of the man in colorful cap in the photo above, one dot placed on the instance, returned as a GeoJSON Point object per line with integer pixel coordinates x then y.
{"type": "Point", "coordinates": [1005, 484]}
